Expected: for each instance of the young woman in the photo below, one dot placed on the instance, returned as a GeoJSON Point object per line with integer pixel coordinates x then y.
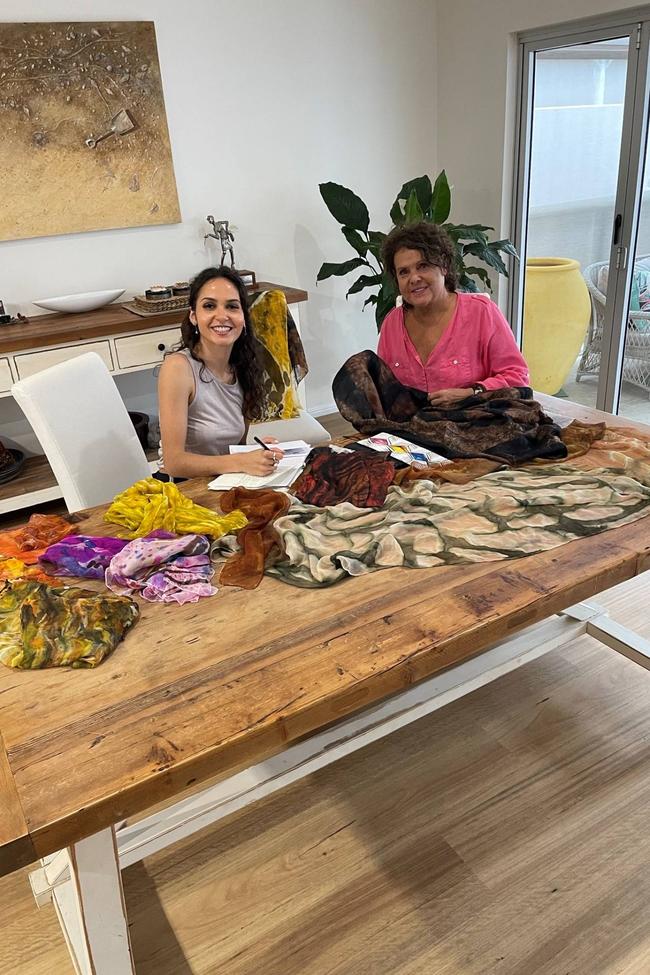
{"type": "Point", "coordinates": [209, 390]}
{"type": "Point", "coordinates": [445, 342]}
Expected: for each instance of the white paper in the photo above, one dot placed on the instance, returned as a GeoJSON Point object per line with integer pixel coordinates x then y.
{"type": "Point", "coordinates": [295, 452]}
{"type": "Point", "coordinates": [279, 479]}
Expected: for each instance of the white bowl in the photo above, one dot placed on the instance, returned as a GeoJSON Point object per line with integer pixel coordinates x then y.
{"type": "Point", "coordinates": [83, 302]}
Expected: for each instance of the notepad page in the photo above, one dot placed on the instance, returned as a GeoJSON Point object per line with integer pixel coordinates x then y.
{"type": "Point", "coordinates": [281, 478]}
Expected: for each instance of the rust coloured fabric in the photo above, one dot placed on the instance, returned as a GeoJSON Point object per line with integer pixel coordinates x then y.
{"type": "Point", "coordinates": [258, 540]}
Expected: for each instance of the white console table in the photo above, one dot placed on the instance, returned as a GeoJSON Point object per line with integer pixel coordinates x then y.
{"type": "Point", "coordinates": [125, 342]}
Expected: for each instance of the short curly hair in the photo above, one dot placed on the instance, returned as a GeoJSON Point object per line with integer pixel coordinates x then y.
{"type": "Point", "coordinates": [434, 243]}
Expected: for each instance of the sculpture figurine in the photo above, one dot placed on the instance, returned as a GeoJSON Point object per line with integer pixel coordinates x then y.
{"type": "Point", "coordinates": [225, 238]}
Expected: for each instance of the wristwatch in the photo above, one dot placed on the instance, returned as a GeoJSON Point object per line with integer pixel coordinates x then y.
{"type": "Point", "coordinates": [478, 388]}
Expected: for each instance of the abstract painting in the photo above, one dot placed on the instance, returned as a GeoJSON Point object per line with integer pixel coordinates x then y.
{"type": "Point", "coordinates": [84, 142]}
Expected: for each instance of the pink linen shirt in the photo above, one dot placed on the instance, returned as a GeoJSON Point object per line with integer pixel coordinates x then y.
{"type": "Point", "coordinates": [477, 346]}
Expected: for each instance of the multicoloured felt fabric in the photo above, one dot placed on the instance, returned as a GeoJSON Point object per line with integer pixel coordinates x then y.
{"type": "Point", "coordinates": [151, 504]}
{"type": "Point", "coordinates": [504, 515]}
{"type": "Point", "coordinates": [281, 354]}
{"type": "Point", "coordinates": [85, 556]}
{"type": "Point", "coordinates": [167, 570]}
{"type": "Point", "coordinates": [48, 626]}
{"type": "Point", "coordinates": [330, 477]}
{"type": "Point", "coordinates": [505, 424]}
{"type": "Point", "coordinates": [11, 568]}
{"type": "Point", "coordinates": [30, 540]}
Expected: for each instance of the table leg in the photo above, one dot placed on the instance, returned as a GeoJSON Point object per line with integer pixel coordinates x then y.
{"type": "Point", "coordinates": [91, 908]}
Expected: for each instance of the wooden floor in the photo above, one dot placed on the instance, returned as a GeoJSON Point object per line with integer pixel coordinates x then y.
{"type": "Point", "coordinates": [507, 834]}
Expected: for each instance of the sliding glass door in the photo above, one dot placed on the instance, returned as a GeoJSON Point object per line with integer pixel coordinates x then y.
{"type": "Point", "coordinates": [578, 299]}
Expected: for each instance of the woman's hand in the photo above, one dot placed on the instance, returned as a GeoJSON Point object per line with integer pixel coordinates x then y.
{"type": "Point", "coordinates": [442, 397]}
{"type": "Point", "coordinates": [261, 463]}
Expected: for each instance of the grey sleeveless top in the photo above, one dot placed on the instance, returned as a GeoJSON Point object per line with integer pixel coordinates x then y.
{"type": "Point", "coordinates": [214, 417]}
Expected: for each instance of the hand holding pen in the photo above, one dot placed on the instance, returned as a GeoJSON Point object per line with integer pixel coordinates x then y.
{"type": "Point", "coordinates": [276, 455]}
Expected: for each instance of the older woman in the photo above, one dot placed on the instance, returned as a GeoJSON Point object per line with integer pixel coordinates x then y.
{"type": "Point", "coordinates": [448, 343]}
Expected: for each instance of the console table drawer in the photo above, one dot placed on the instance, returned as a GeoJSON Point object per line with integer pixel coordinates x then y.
{"type": "Point", "coordinates": [6, 379]}
{"type": "Point", "coordinates": [32, 362]}
{"type": "Point", "coordinates": [146, 349]}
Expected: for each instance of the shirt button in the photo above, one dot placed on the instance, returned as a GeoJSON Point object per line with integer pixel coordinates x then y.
{"type": "Point", "coordinates": [455, 362]}
{"type": "Point", "coordinates": [397, 363]}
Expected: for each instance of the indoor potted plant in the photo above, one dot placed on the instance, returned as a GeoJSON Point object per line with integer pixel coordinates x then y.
{"type": "Point", "coordinates": [417, 200]}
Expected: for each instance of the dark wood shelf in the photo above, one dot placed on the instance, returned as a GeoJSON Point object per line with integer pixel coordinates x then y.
{"type": "Point", "coordinates": [114, 319]}
{"type": "Point", "coordinates": [37, 476]}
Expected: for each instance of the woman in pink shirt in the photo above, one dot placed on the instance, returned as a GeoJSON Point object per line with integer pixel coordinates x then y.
{"type": "Point", "coordinates": [448, 343]}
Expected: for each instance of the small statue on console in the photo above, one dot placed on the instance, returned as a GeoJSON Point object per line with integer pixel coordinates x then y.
{"type": "Point", "coordinates": [225, 237]}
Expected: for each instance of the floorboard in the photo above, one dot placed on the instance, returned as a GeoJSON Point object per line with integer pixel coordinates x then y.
{"type": "Point", "coordinates": [503, 835]}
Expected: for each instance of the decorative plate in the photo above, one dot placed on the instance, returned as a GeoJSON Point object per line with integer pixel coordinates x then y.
{"type": "Point", "coordinates": [82, 302]}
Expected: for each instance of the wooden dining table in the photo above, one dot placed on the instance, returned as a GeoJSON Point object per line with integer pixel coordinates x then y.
{"type": "Point", "coordinates": [208, 706]}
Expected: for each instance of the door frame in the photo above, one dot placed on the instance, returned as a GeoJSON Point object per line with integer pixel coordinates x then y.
{"type": "Point", "coordinates": [634, 24]}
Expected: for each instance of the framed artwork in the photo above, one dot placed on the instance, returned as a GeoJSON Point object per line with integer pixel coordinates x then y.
{"type": "Point", "coordinates": [85, 144]}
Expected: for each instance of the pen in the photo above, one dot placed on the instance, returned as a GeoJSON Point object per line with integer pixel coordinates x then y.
{"type": "Point", "coordinates": [261, 443]}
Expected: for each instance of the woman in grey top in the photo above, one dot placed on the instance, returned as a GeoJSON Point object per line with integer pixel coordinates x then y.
{"type": "Point", "coordinates": [210, 390]}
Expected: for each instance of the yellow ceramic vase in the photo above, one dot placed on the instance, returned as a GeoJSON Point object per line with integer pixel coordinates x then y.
{"type": "Point", "coordinates": [557, 310]}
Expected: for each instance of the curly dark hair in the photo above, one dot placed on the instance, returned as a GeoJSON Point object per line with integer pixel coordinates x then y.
{"type": "Point", "coordinates": [243, 357]}
{"type": "Point", "coordinates": [434, 243]}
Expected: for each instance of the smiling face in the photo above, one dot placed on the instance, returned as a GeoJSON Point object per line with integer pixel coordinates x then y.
{"type": "Point", "coordinates": [218, 314]}
{"type": "Point", "coordinates": [420, 283]}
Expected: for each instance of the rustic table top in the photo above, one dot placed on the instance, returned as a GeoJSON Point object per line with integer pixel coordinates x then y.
{"type": "Point", "coordinates": [199, 690]}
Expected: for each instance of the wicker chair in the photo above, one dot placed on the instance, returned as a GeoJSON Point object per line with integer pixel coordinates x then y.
{"type": "Point", "coordinates": [636, 361]}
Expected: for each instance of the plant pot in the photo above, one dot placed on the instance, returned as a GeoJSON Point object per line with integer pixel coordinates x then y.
{"type": "Point", "coordinates": [141, 423]}
{"type": "Point", "coordinates": [557, 310]}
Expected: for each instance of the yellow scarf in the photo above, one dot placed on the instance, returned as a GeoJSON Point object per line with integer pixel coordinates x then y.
{"type": "Point", "coordinates": [150, 504]}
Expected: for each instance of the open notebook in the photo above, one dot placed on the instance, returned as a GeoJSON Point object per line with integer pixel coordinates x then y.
{"type": "Point", "coordinates": [295, 454]}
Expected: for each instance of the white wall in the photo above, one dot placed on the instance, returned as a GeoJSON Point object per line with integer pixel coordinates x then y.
{"type": "Point", "coordinates": [264, 101]}
{"type": "Point", "coordinates": [474, 37]}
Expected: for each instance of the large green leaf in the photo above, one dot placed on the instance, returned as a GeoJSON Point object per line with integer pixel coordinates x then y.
{"type": "Point", "coordinates": [413, 211]}
{"type": "Point", "coordinates": [479, 272]}
{"type": "Point", "coordinates": [422, 187]}
{"type": "Point", "coordinates": [345, 206]}
{"type": "Point", "coordinates": [396, 213]}
{"type": "Point", "coordinates": [385, 299]}
{"type": "Point", "coordinates": [440, 206]}
{"type": "Point", "coordinates": [355, 240]}
{"type": "Point", "coordinates": [488, 256]}
{"type": "Point", "coordinates": [364, 281]}
{"type": "Point", "coordinates": [465, 283]}
{"type": "Point", "coordinates": [506, 246]}
{"type": "Point", "coordinates": [467, 229]}
{"type": "Point", "coordinates": [464, 231]}
{"type": "Point", "coordinates": [330, 270]}
{"type": "Point", "coordinates": [376, 244]}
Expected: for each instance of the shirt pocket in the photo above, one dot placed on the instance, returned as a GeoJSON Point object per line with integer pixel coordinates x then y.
{"type": "Point", "coordinates": [406, 374]}
{"type": "Point", "coordinates": [455, 371]}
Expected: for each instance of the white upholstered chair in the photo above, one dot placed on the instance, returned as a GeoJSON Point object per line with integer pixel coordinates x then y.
{"type": "Point", "coordinates": [84, 429]}
{"type": "Point", "coordinates": [304, 427]}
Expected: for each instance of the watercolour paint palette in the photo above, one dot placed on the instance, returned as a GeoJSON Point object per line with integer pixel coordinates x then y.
{"type": "Point", "coordinates": [404, 450]}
